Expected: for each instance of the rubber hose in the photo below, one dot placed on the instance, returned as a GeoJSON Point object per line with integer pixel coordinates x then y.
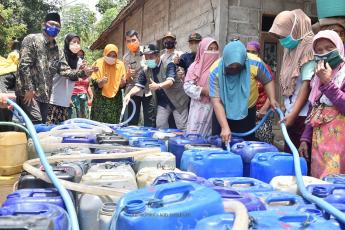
{"type": "Point", "coordinates": [63, 192]}
{"type": "Point", "coordinates": [340, 216]}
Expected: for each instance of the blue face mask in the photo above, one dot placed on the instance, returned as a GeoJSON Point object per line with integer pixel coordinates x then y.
{"type": "Point", "coordinates": [289, 42]}
{"type": "Point", "coordinates": [151, 63]}
{"type": "Point", "coordinates": [51, 31]}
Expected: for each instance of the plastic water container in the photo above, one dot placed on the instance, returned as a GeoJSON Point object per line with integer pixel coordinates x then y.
{"type": "Point", "coordinates": [150, 143]}
{"type": "Point", "coordinates": [242, 184]}
{"type": "Point", "coordinates": [265, 166]}
{"type": "Point", "coordinates": [283, 201]}
{"type": "Point", "coordinates": [40, 128]}
{"type": "Point", "coordinates": [161, 160]}
{"type": "Point", "coordinates": [176, 205]}
{"type": "Point", "coordinates": [13, 149]}
{"type": "Point", "coordinates": [188, 156]}
{"type": "Point", "coordinates": [55, 213]}
{"type": "Point", "coordinates": [112, 175]}
{"type": "Point", "coordinates": [110, 151]}
{"type": "Point", "coordinates": [333, 8]}
{"type": "Point", "coordinates": [335, 178]}
{"type": "Point", "coordinates": [136, 133]}
{"type": "Point", "coordinates": [146, 176]}
{"type": "Point", "coordinates": [209, 164]}
{"type": "Point", "coordinates": [172, 177]}
{"type": "Point", "coordinates": [276, 219]}
{"type": "Point", "coordinates": [248, 149]}
{"type": "Point", "coordinates": [27, 180]}
{"type": "Point", "coordinates": [251, 202]}
{"type": "Point", "coordinates": [107, 175]}
{"type": "Point", "coordinates": [177, 145]}
{"type": "Point", "coordinates": [26, 222]}
{"type": "Point", "coordinates": [216, 222]}
{"type": "Point", "coordinates": [111, 139]}
{"type": "Point", "coordinates": [105, 214]}
{"type": "Point", "coordinates": [75, 168]}
{"type": "Point", "coordinates": [289, 183]}
{"type": "Point", "coordinates": [217, 140]}
{"type": "Point", "coordinates": [37, 195]}
{"type": "Point", "coordinates": [332, 193]}
{"type": "Point", "coordinates": [89, 139]}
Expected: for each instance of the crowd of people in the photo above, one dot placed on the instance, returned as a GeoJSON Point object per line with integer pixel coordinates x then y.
{"type": "Point", "coordinates": [205, 91]}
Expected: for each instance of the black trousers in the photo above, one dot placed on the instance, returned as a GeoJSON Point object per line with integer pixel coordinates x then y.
{"type": "Point", "coordinates": [238, 126]}
{"type": "Point", "coordinates": [149, 111]}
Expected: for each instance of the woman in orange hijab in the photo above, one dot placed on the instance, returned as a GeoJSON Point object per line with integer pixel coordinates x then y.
{"type": "Point", "coordinates": [107, 81]}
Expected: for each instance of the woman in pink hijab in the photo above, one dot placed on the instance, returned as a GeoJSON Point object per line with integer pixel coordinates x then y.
{"type": "Point", "coordinates": [196, 87]}
{"type": "Point", "coordinates": [325, 129]}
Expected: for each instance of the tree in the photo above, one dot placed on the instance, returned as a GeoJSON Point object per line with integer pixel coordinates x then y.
{"type": "Point", "coordinates": [103, 5]}
{"type": "Point", "coordinates": [78, 19]}
{"type": "Point", "coordinates": [30, 12]}
{"type": "Point", "coordinates": [109, 14]}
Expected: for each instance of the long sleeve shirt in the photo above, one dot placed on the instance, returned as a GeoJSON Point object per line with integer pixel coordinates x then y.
{"type": "Point", "coordinates": [40, 61]}
{"type": "Point", "coordinates": [337, 96]}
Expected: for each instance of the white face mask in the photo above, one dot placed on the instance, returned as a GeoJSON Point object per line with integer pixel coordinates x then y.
{"type": "Point", "coordinates": [74, 47]}
{"type": "Point", "coordinates": [109, 60]}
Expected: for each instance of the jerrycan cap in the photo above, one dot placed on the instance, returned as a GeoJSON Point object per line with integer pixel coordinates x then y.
{"type": "Point", "coordinates": [320, 192]}
{"type": "Point", "coordinates": [135, 207]}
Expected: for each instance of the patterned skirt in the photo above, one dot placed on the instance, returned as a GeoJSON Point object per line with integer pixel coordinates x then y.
{"type": "Point", "coordinates": [107, 110]}
{"type": "Point", "coordinates": [57, 114]}
{"type": "Point", "coordinates": [328, 144]}
{"type": "Point", "coordinates": [264, 133]}
{"type": "Point", "coordinates": [79, 106]}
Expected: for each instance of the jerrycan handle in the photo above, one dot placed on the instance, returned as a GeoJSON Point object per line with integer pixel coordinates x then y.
{"type": "Point", "coordinates": [213, 138]}
{"type": "Point", "coordinates": [281, 199]}
{"type": "Point", "coordinates": [48, 193]}
{"type": "Point", "coordinates": [241, 182]}
{"type": "Point", "coordinates": [194, 135]}
{"type": "Point", "coordinates": [177, 189]}
{"type": "Point", "coordinates": [220, 152]}
{"type": "Point", "coordinates": [297, 218]}
{"type": "Point", "coordinates": [337, 187]}
{"type": "Point", "coordinates": [265, 158]}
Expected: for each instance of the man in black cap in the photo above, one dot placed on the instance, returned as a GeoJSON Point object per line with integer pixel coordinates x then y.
{"type": "Point", "coordinates": [166, 88]}
{"type": "Point", "coordinates": [40, 61]}
{"type": "Point", "coordinates": [187, 59]}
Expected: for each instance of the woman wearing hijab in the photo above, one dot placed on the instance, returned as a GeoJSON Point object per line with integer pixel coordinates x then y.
{"type": "Point", "coordinates": [264, 133]}
{"type": "Point", "coordinates": [233, 90]}
{"type": "Point", "coordinates": [62, 87]}
{"type": "Point", "coordinates": [293, 28]}
{"type": "Point", "coordinates": [196, 87]}
{"type": "Point", "coordinates": [325, 127]}
{"type": "Point", "coordinates": [107, 81]}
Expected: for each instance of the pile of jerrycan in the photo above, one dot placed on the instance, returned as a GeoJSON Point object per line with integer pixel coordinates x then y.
{"type": "Point", "coordinates": [184, 186]}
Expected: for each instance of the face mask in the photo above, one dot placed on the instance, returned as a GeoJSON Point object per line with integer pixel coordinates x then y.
{"type": "Point", "coordinates": [333, 58]}
{"type": "Point", "coordinates": [169, 44]}
{"type": "Point", "coordinates": [133, 47]}
{"type": "Point", "coordinates": [151, 63]}
{"type": "Point", "coordinates": [74, 47]}
{"type": "Point", "coordinates": [51, 31]}
{"type": "Point", "coordinates": [109, 60]}
{"type": "Point", "coordinates": [289, 42]}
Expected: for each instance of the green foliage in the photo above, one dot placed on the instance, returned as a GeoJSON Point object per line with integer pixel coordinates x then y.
{"type": "Point", "coordinates": [22, 17]}
{"type": "Point", "coordinates": [78, 19]}
{"type": "Point", "coordinates": [103, 5]}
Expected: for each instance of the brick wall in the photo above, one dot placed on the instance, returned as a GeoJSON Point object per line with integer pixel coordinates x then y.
{"type": "Point", "coordinates": [245, 15]}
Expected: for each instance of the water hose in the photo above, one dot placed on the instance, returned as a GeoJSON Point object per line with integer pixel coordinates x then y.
{"type": "Point", "coordinates": [123, 113]}
{"type": "Point", "coordinates": [240, 212]}
{"type": "Point", "coordinates": [340, 216]}
{"type": "Point", "coordinates": [63, 192]}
